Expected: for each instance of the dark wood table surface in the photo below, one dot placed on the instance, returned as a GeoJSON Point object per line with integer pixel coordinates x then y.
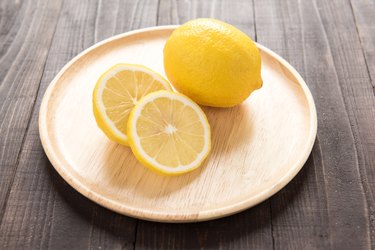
{"type": "Point", "coordinates": [329, 205]}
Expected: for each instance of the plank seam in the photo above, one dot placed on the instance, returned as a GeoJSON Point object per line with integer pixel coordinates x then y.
{"type": "Point", "coordinates": [157, 13]}
{"type": "Point", "coordinates": [52, 216]}
{"type": "Point", "coordinates": [254, 22]}
{"type": "Point", "coordinates": [96, 21]}
{"type": "Point", "coordinates": [320, 151]}
{"type": "Point", "coordinates": [135, 233]}
{"type": "Point", "coordinates": [272, 231]}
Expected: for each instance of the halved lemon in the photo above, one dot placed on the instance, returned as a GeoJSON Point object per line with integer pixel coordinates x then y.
{"type": "Point", "coordinates": [169, 133]}
{"type": "Point", "coordinates": [116, 93]}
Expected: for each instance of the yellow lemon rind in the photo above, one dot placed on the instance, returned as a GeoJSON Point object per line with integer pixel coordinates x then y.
{"type": "Point", "coordinates": [99, 113]}
{"type": "Point", "coordinates": [222, 67]}
{"type": "Point", "coordinates": [137, 150]}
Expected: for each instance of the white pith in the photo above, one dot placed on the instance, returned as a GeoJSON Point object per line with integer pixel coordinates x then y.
{"type": "Point", "coordinates": [99, 93]}
{"type": "Point", "coordinates": [202, 118]}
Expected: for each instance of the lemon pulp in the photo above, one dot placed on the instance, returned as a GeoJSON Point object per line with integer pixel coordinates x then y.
{"type": "Point", "coordinates": [116, 93]}
{"type": "Point", "coordinates": [169, 133]}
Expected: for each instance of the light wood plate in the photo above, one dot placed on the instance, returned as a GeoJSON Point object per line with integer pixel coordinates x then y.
{"type": "Point", "coordinates": [257, 147]}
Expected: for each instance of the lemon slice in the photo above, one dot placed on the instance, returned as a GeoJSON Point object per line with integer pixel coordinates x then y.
{"type": "Point", "coordinates": [117, 91]}
{"type": "Point", "coordinates": [169, 133]}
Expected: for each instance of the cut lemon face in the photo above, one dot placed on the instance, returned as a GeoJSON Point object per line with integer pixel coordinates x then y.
{"type": "Point", "coordinates": [169, 133]}
{"type": "Point", "coordinates": [116, 93]}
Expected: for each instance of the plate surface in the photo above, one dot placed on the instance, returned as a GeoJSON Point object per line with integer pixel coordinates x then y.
{"type": "Point", "coordinates": [257, 147]}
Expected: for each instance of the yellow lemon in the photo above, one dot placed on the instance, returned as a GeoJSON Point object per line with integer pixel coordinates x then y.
{"type": "Point", "coordinates": [169, 133]}
{"type": "Point", "coordinates": [212, 62]}
{"type": "Point", "coordinates": [116, 93]}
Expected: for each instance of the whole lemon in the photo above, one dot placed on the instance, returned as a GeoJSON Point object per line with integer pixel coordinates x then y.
{"type": "Point", "coordinates": [212, 62]}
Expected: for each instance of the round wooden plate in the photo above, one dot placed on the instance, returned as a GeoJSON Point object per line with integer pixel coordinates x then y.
{"type": "Point", "coordinates": [257, 147]}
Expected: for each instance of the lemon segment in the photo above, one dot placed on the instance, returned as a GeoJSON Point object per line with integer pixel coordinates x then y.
{"type": "Point", "coordinates": [169, 133]}
{"type": "Point", "coordinates": [116, 93]}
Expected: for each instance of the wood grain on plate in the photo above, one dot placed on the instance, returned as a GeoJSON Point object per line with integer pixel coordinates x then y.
{"type": "Point", "coordinates": [258, 146]}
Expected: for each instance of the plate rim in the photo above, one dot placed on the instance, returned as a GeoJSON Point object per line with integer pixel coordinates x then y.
{"type": "Point", "coordinates": [150, 215]}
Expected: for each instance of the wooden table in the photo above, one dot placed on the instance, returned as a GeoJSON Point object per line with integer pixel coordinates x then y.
{"type": "Point", "coordinates": [329, 205]}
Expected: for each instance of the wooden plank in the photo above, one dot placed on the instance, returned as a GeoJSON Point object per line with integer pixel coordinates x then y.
{"type": "Point", "coordinates": [327, 208]}
{"type": "Point", "coordinates": [247, 230]}
{"type": "Point", "coordinates": [10, 22]}
{"type": "Point", "coordinates": [42, 210]}
{"type": "Point", "coordinates": [299, 211]}
{"type": "Point", "coordinates": [239, 14]}
{"type": "Point", "coordinates": [357, 90]}
{"type": "Point", "coordinates": [22, 58]}
{"type": "Point", "coordinates": [364, 12]}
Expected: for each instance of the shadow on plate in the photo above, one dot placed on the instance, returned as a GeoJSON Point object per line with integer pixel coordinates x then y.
{"type": "Point", "coordinates": [251, 227]}
{"type": "Point", "coordinates": [124, 172]}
